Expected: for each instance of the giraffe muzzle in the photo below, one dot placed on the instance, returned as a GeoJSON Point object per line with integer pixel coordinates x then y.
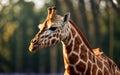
{"type": "Point", "coordinates": [33, 45]}
{"type": "Point", "coordinates": [32, 48]}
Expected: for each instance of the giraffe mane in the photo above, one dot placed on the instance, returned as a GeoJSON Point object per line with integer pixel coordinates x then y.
{"type": "Point", "coordinates": [81, 34]}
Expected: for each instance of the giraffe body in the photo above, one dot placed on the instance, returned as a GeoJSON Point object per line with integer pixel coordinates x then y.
{"type": "Point", "coordinates": [79, 58]}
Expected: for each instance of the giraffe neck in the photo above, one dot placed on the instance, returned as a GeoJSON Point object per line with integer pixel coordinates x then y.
{"type": "Point", "coordinates": [73, 33]}
{"type": "Point", "coordinates": [79, 58]}
{"type": "Point", "coordinates": [75, 49]}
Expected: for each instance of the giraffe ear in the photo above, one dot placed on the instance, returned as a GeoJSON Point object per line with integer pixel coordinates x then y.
{"type": "Point", "coordinates": [66, 18]}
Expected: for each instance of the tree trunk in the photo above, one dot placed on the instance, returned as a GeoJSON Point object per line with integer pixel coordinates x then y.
{"type": "Point", "coordinates": [71, 8]}
{"type": "Point", "coordinates": [95, 12]}
{"type": "Point", "coordinates": [84, 17]}
{"type": "Point", "coordinates": [111, 39]}
{"type": "Point", "coordinates": [116, 7]}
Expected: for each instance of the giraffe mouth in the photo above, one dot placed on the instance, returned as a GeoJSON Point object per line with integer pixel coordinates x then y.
{"type": "Point", "coordinates": [33, 48]}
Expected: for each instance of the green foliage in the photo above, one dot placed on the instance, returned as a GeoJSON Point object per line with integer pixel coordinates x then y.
{"type": "Point", "coordinates": [18, 25]}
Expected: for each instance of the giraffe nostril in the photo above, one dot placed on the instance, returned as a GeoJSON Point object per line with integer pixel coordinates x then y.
{"type": "Point", "coordinates": [34, 41]}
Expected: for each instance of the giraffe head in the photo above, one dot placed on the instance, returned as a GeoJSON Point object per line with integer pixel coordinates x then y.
{"type": "Point", "coordinates": [51, 31]}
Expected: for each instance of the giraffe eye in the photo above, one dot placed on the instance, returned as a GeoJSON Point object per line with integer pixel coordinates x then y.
{"type": "Point", "coordinates": [52, 28]}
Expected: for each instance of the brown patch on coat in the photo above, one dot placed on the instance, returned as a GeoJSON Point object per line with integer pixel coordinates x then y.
{"type": "Point", "coordinates": [73, 58]}
{"type": "Point", "coordinates": [83, 54]}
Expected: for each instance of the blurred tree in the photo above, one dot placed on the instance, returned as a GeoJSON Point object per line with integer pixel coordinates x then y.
{"type": "Point", "coordinates": [18, 24]}
{"type": "Point", "coordinates": [84, 17]}
{"type": "Point", "coordinates": [70, 7]}
{"type": "Point", "coordinates": [116, 5]}
{"type": "Point", "coordinates": [95, 12]}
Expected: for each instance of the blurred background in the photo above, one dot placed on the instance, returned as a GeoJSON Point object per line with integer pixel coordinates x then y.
{"type": "Point", "coordinates": [99, 20]}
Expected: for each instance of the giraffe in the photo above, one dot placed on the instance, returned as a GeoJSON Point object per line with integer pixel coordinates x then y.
{"type": "Point", "coordinates": [79, 58]}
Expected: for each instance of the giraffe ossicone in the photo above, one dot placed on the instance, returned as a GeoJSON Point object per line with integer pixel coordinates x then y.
{"type": "Point", "coordinates": [79, 58]}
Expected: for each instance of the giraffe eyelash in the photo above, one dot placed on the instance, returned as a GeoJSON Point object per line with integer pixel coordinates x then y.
{"type": "Point", "coordinates": [52, 28]}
